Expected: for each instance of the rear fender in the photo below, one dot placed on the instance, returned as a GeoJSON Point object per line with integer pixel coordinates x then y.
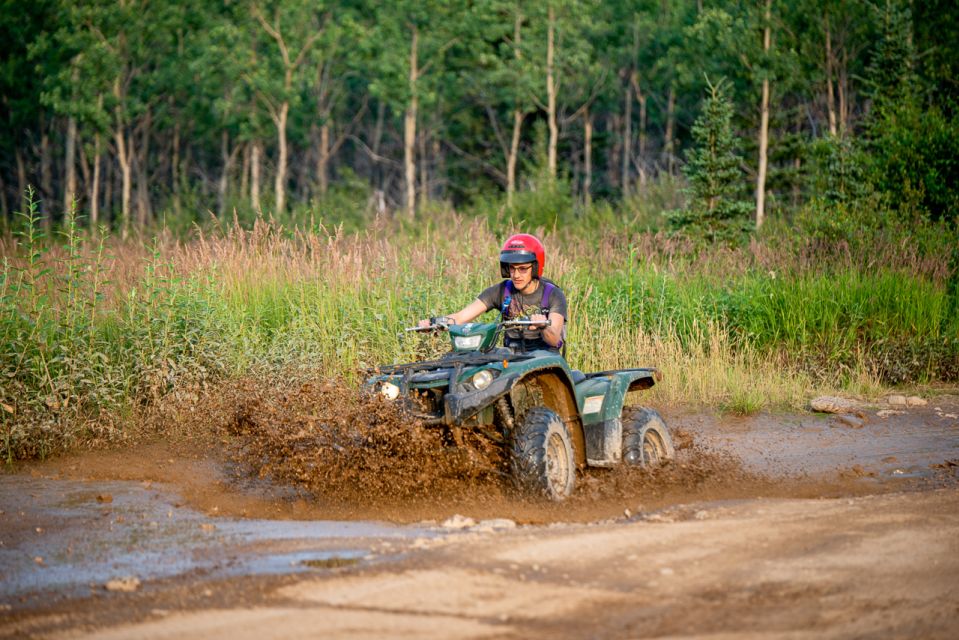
{"type": "Point", "coordinates": [600, 399]}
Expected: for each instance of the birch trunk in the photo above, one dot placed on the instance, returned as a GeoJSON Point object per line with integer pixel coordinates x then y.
{"type": "Point", "coordinates": [119, 138]}
{"type": "Point", "coordinates": [830, 95]}
{"type": "Point", "coordinates": [551, 94]}
{"type": "Point", "coordinates": [323, 162]}
{"type": "Point", "coordinates": [517, 118]}
{"type": "Point", "coordinates": [763, 128]}
{"type": "Point", "coordinates": [69, 166]}
{"type": "Point", "coordinates": [670, 125]}
{"type": "Point", "coordinates": [280, 184]}
{"type": "Point", "coordinates": [409, 131]}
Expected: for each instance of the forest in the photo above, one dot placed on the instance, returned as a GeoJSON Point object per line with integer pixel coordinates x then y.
{"type": "Point", "coordinates": [756, 197]}
{"type": "Point", "coordinates": [163, 112]}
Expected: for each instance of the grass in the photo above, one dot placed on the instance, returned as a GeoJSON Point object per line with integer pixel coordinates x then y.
{"type": "Point", "coordinates": [95, 331]}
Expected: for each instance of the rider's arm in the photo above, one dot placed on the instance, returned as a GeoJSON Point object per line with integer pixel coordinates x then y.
{"type": "Point", "coordinates": [468, 313]}
{"type": "Point", "coordinates": [553, 334]}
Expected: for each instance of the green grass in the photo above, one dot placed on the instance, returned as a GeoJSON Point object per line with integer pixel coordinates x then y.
{"type": "Point", "coordinates": [95, 331]}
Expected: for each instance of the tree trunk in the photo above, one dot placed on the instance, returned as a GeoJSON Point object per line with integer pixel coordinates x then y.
{"type": "Point", "coordinates": [69, 166]}
{"type": "Point", "coordinates": [323, 162]}
{"type": "Point", "coordinates": [551, 95]}
{"type": "Point", "coordinates": [668, 144]}
{"type": "Point", "coordinates": [409, 131]}
{"type": "Point", "coordinates": [763, 128]}
{"type": "Point", "coordinates": [627, 134]}
{"type": "Point", "coordinates": [119, 138]}
{"type": "Point", "coordinates": [830, 96]}
{"type": "Point", "coordinates": [280, 184]}
{"type": "Point", "coordinates": [255, 153]}
{"type": "Point", "coordinates": [513, 156]}
{"type": "Point", "coordinates": [588, 156]}
{"type": "Point", "coordinates": [518, 117]}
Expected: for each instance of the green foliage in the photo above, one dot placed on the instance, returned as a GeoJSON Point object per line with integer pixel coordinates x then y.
{"type": "Point", "coordinates": [914, 160]}
{"type": "Point", "coordinates": [715, 211]}
{"type": "Point", "coordinates": [839, 170]}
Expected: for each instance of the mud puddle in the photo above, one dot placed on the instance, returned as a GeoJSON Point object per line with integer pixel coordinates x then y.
{"type": "Point", "coordinates": [74, 538]}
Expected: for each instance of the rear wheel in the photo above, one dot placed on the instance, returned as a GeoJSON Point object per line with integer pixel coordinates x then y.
{"type": "Point", "coordinates": [542, 459]}
{"type": "Point", "coordinates": [646, 441]}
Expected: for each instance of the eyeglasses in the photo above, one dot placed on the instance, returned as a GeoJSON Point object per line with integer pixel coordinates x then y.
{"type": "Point", "coordinates": [520, 268]}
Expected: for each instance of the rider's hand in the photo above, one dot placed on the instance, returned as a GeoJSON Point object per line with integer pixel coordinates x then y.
{"type": "Point", "coordinates": [538, 318]}
{"type": "Point", "coordinates": [424, 324]}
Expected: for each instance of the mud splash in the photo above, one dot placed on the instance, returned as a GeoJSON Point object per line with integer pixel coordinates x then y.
{"type": "Point", "coordinates": [343, 445]}
{"type": "Point", "coordinates": [347, 449]}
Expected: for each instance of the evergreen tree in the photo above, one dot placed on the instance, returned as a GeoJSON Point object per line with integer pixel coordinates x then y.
{"type": "Point", "coordinates": [716, 210]}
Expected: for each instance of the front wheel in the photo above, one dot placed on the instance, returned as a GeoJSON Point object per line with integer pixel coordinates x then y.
{"type": "Point", "coordinates": [542, 459]}
{"type": "Point", "coordinates": [646, 441]}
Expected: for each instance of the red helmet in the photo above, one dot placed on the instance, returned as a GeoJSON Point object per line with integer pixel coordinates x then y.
{"type": "Point", "coordinates": [519, 249]}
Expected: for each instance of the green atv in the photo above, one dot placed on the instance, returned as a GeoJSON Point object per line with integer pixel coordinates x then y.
{"type": "Point", "coordinates": [545, 418]}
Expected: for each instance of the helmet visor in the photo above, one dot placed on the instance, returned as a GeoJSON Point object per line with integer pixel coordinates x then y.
{"type": "Point", "coordinates": [517, 257]}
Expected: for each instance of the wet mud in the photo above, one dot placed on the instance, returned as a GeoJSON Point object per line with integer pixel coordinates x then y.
{"type": "Point", "coordinates": [289, 478]}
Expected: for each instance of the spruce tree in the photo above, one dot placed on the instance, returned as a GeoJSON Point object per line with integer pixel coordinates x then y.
{"type": "Point", "coordinates": [716, 210]}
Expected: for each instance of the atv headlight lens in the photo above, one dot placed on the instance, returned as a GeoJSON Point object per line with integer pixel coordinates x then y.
{"type": "Point", "coordinates": [468, 342]}
{"type": "Point", "coordinates": [482, 379]}
{"type": "Point", "coordinates": [390, 390]}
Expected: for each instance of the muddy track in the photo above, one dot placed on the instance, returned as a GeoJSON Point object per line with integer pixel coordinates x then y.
{"type": "Point", "coordinates": [771, 525]}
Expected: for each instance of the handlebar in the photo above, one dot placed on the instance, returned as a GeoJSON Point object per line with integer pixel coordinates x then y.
{"type": "Point", "coordinates": [438, 325]}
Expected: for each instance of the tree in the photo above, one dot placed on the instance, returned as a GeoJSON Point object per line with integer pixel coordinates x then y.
{"type": "Point", "coordinates": [294, 28]}
{"type": "Point", "coordinates": [715, 211]}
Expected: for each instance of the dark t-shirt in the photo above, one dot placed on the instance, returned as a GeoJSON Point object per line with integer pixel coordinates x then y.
{"type": "Point", "coordinates": [522, 306]}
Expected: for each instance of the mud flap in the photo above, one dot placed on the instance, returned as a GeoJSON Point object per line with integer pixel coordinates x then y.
{"type": "Point", "coordinates": [604, 443]}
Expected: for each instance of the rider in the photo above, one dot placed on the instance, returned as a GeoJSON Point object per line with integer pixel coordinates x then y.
{"type": "Point", "coordinates": [524, 295]}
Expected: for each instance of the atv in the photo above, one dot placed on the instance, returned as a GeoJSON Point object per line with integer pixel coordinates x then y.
{"type": "Point", "coordinates": [545, 418]}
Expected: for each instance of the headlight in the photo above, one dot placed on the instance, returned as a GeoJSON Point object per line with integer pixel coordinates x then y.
{"type": "Point", "coordinates": [468, 342]}
{"type": "Point", "coordinates": [390, 390]}
{"type": "Point", "coordinates": [482, 379]}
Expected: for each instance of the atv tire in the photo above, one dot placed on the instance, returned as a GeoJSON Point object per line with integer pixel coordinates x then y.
{"type": "Point", "coordinates": [646, 441]}
{"type": "Point", "coordinates": [542, 461]}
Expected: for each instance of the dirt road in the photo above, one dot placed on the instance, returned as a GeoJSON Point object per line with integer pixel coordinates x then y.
{"type": "Point", "coordinates": [840, 546]}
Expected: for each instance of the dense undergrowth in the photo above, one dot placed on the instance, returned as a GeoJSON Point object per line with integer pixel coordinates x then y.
{"type": "Point", "coordinates": [96, 332]}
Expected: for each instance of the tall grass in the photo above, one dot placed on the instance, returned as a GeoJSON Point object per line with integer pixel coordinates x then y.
{"type": "Point", "coordinates": [94, 330]}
